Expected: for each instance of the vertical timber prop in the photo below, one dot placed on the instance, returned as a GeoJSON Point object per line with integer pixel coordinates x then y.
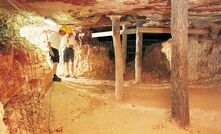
{"type": "Point", "coordinates": [118, 56]}
{"type": "Point", "coordinates": [179, 63]}
{"type": "Point", "coordinates": [124, 47]}
{"type": "Point", "coordinates": [138, 56]}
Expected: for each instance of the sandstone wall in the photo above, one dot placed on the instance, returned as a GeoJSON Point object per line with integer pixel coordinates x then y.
{"type": "Point", "coordinates": [24, 77]}
{"type": "Point", "coordinates": [93, 61]}
{"type": "Point", "coordinates": [204, 57]}
{"type": "Point", "coordinates": [3, 128]}
{"type": "Point", "coordinates": [155, 60]}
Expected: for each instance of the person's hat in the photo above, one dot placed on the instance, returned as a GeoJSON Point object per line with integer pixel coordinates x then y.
{"type": "Point", "coordinates": [69, 30]}
{"type": "Point", "coordinates": [63, 28]}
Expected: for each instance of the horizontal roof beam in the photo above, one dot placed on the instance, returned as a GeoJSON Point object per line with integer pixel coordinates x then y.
{"type": "Point", "coordinates": [109, 33]}
{"type": "Point", "coordinates": [147, 30]}
{"type": "Point", "coordinates": [168, 30]}
{"type": "Point", "coordinates": [102, 34]}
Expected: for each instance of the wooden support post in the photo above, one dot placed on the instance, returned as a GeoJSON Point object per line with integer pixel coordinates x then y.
{"type": "Point", "coordinates": [118, 56]}
{"type": "Point", "coordinates": [138, 56]}
{"type": "Point", "coordinates": [179, 63]}
{"type": "Point", "coordinates": [124, 47]}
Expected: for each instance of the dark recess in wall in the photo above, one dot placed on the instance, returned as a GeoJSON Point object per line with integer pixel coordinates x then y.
{"type": "Point", "coordinates": [148, 40]}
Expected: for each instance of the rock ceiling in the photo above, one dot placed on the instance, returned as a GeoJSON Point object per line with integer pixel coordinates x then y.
{"type": "Point", "coordinates": [93, 12]}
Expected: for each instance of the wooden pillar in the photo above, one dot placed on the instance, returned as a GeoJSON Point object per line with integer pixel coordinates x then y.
{"type": "Point", "coordinates": [118, 56]}
{"type": "Point", "coordinates": [138, 56]}
{"type": "Point", "coordinates": [179, 63]}
{"type": "Point", "coordinates": [124, 47]}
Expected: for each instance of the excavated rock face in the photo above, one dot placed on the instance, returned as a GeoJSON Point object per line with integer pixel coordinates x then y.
{"type": "Point", "coordinates": [3, 128]}
{"type": "Point", "coordinates": [94, 61]}
{"type": "Point", "coordinates": [25, 77]}
{"type": "Point", "coordinates": [155, 60]}
{"type": "Point", "coordinates": [202, 13]}
{"type": "Point", "coordinates": [74, 2]}
{"type": "Point", "coordinates": [203, 57]}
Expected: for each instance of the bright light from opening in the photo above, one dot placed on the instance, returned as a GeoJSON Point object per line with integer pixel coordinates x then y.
{"type": "Point", "coordinates": [49, 21]}
{"type": "Point", "coordinates": [37, 35]}
{"type": "Point", "coordinates": [24, 31]}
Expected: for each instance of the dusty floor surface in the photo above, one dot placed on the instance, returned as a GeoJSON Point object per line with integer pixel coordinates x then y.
{"type": "Point", "coordinates": [84, 106]}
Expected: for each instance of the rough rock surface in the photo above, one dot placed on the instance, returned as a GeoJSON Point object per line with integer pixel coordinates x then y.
{"type": "Point", "coordinates": [94, 61]}
{"type": "Point", "coordinates": [91, 12]}
{"type": "Point", "coordinates": [155, 60]}
{"type": "Point", "coordinates": [3, 128]}
{"type": "Point", "coordinates": [25, 77]}
{"type": "Point", "coordinates": [204, 57]}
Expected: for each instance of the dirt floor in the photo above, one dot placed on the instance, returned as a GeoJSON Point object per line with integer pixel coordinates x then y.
{"type": "Point", "coordinates": [85, 106]}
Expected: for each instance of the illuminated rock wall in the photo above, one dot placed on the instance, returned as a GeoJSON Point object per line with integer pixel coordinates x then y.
{"type": "Point", "coordinates": [25, 77]}
{"type": "Point", "coordinates": [93, 61]}
{"type": "Point", "coordinates": [3, 128]}
{"type": "Point", "coordinates": [204, 57]}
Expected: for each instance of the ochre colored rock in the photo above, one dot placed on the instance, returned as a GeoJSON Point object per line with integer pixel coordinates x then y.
{"type": "Point", "coordinates": [93, 61]}
{"type": "Point", "coordinates": [24, 79]}
{"type": "Point", "coordinates": [203, 57]}
{"type": "Point", "coordinates": [3, 128]}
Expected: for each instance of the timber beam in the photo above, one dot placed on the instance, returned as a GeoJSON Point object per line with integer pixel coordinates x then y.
{"type": "Point", "coordinates": [148, 30]}
{"type": "Point", "coordinates": [168, 30]}
{"type": "Point", "coordinates": [110, 33]}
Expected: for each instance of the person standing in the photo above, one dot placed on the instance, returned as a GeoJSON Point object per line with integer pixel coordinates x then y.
{"type": "Point", "coordinates": [68, 43]}
{"type": "Point", "coordinates": [53, 43]}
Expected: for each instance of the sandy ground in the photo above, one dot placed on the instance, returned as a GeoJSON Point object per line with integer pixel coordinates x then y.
{"type": "Point", "coordinates": [84, 106]}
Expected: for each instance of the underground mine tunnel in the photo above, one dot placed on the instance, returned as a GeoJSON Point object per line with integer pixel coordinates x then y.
{"type": "Point", "coordinates": [125, 66]}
